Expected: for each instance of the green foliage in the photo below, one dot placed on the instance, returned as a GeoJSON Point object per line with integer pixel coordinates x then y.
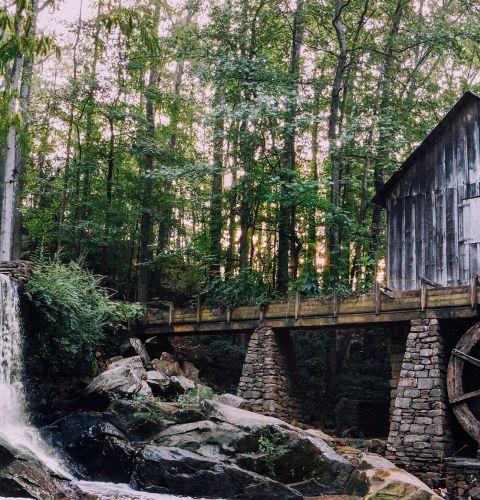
{"type": "Point", "coordinates": [271, 444]}
{"type": "Point", "coordinates": [195, 396]}
{"type": "Point", "coordinates": [73, 312]}
{"type": "Point", "coordinates": [246, 287]}
{"type": "Point", "coordinates": [150, 412]}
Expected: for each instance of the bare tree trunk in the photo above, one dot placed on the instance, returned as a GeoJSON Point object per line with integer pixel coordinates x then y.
{"type": "Point", "coordinates": [216, 222]}
{"type": "Point", "coordinates": [334, 148]}
{"type": "Point", "coordinates": [145, 252]}
{"type": "Point", "coordinates": [286, 223]}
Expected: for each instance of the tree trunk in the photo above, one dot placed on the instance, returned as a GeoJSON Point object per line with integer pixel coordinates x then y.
{"type": "Point", "coordinates": [145, 252]}
{"type": "Point", "coordinates": [286, 223]}
{"type": "Point", "coordinates": [333, 250]}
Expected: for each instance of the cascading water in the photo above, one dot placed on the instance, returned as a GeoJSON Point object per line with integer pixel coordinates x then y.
{"type": "Point", "coordinates": [15, 427]}
{"type": "Point", "coordinates": [14, 424]}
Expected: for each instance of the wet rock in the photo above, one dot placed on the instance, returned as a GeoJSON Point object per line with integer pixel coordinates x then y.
{"type": "Point", "coordinates": [98, 446]}
{"type": "Point", "coordinates": [22, 475]}
{"type": "Point", "coordinates": [177, 471]}
{"type": "Point", "coordinates": [377, 478]}
{"type": "Point", "coordinates": [159, 382]}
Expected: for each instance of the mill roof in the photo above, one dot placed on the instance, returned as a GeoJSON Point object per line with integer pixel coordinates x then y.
{"type": "Point", "coordinates": [381, 196]}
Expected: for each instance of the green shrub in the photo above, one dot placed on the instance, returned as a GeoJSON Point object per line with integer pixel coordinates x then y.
{"type": "Point", "coordinates": [271, 444]}
{"type": "Point", "coordinates": [151, 413]}
{"type": "Point", "coordinates": [195, 396]}
{"type": "Point", "coordinates": [71, 313]}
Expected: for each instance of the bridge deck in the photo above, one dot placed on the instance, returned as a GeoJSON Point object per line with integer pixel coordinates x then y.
{"type": "Point", "coordinates": [367, 309]}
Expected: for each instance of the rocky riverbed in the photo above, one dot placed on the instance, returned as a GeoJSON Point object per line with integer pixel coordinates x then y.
{"type": "Point", "coordinates": [144, 423]}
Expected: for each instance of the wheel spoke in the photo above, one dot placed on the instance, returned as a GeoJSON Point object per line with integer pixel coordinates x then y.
{"type": "Point", "coordinates": [466, 357]}
{"type": "Point", "coordinates": [464, 397]}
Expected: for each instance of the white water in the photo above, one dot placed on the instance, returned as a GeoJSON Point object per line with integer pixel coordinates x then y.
{"type": "Point", "coordinates": [14, 425]}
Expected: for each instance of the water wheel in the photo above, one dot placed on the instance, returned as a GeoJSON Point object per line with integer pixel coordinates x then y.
{"type": "Point", "coordinates": [463, 381]}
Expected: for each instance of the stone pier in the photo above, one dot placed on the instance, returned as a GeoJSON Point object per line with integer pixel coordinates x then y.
{"type": "Point", "coordinates": [420, 436]}
{"type": "Point", "coordinates": [269, 381]}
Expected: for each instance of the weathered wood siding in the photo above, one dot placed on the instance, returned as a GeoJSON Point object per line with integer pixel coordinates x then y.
{"type": "Point", "coordinates": [434, 209]}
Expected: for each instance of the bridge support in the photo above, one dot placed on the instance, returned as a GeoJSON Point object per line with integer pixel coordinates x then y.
{"type": "Point", "coordinates": [269, 381]}
{"type": "Point", "coordinates": [420, 436]}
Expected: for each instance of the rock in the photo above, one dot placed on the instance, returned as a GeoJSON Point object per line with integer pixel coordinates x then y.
{"type": "Point", "coordinates": [159, 383]}
{"type": "Point", "coordinates": [114, 360]}
{"type": "Point", "coordinates": [180, 384]}
{"type": "Point", "coordinates": [207, 438]}
{"type": "Point", "coordinates": [302, 455]}
{"type": "Point", "coordinates": [156, 346]}
{"type": "Point", "coordinates": [377, 478]}
{"type": "Point", "coordinates": [234, 401]}
{"type": "Point", "coordinates": [139, 349]}
{"type": "Point", "coordinates": [190, 371]}
{"type": "Point", "coordinates": [119, 382]}
{"type": "Point", "coordinates": [22, 475]}
{"type": "Point", "coordinates": [188, 415]}
{"type": "Point", "coordinates": [134, 363]}
{"type": "Point", "coordinates": [169, 369]}
{"type": "Point", "coordinates": [98, 446]}
{"type": "Point", "coordinates": [173, 470]}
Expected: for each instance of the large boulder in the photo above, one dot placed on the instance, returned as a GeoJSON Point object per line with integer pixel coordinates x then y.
{"type": "Point", "coordinates": [134, 363]}
{"type": "Point", "coordinates": [376, 478]}
{"type": "Point", "coordinates": [173, 470]}
{"type": "Point", "coordinates": [295, 455]}
{"type": "Point", "coordinates": [98, 446]}
{"type": "Point", "coordinates": [123, 379]}
{"type": "Point", "coordinates": [22, 475]}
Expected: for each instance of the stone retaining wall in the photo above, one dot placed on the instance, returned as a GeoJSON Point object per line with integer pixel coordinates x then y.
{"type": "Point", "coordinates": [463, 478]}
{"type": "Point", "coordinates": [420, 436]}
{"type": "Point", "coordinates": [17, 270]}
{"type": "Point", "coordinates": [269, 381]}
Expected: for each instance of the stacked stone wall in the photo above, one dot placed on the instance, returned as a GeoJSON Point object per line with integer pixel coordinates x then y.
{"type": "Point", "coordinates": [269, 381]}
{"type": "Point", "coordinates": [420, 436]}
{"type": "Point", "coordinates": [463, 478]}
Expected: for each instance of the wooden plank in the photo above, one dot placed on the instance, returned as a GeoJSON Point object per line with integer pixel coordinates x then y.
{"type": "Point", "coordinates": [409, 239]}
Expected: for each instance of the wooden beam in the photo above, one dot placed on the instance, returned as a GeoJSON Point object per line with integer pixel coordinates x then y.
{"type": "Point", "coordinates": [473, 291]}
{"type": "Point", "coordinates": [335, 304]}
{"type": "Point", "coordinates": [466, 357]}
{"type": "Point", "coordinates": [297, 304]}
{"type": "Point", "coordinates": [378, 299]}
{"type": "Point", "coordinates": [170, 313]}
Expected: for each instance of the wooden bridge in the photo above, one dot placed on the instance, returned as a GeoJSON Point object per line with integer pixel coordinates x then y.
{"type": "Point", "coordinates": [382, 306]}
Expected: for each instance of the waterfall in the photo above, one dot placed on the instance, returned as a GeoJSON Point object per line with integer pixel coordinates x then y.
{"type": "Point", "coordinates": [15, 427]}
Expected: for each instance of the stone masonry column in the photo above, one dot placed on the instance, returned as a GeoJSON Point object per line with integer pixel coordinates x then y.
{"type": "Point", "coordinates": [420, 435]}
{"type": "Point", "coordinates": [269, 380]}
